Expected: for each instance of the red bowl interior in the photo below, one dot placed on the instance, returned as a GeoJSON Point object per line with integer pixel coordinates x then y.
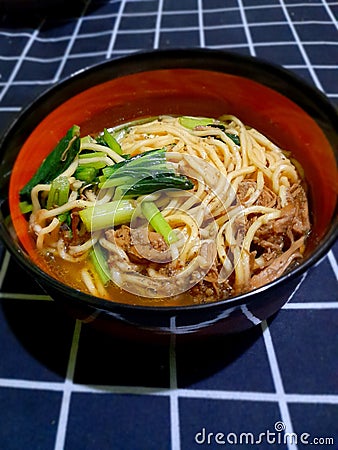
{"type": "Point", "coordinates": [188, 92]}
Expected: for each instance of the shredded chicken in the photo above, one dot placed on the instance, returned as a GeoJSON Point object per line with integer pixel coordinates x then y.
{"type": "Point", "coordinates": [277, 266]}
{"type": "Point", "coordinates": [141, 246]}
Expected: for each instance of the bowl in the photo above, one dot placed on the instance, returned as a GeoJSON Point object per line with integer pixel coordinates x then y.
{"type": "Point", "coordinates": [191, 82]}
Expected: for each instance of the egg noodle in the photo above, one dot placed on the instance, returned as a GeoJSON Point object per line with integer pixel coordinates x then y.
{"type": "Point", "coordinates": [242, 224]}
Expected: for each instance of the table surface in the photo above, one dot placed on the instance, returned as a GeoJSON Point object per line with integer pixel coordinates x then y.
{"type": "Point", "coordinates": [64, 385]}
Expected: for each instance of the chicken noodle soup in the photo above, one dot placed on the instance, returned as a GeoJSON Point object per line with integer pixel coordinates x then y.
{"type": "Point", "coordinates": [173, 210]}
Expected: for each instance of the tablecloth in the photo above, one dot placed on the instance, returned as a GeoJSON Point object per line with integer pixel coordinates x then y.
{"type": "Point", "coordinates": [63, 385]}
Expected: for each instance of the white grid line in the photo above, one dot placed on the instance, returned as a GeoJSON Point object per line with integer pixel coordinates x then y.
{"type": "Point", "coordinates": [277, 379]}
{"type": "Point", "coordinates": [311, 305]}
{"type": "Point", "coordinates": [115, 29]}
{"type": "Point", "coordinates": [330, 13]}
{"type": "Point", "coordinates": [4, 267]}
{"type": "Point", "coordinates": [46, 60]}
{"type": "Point", "coordinates": [201, 26]}
{"type": "Point", "coordinates": [206, 394]}
{"type": "Point", "coordinates": [158, 25]}
{"type": "Point", "coordinates": [19, 63]}
{"type": "Point", "coordinates": [174, 407]}
{"type": "Point", "coordinates": [301, 46]}
{"type": "Point", "coordinates": [297, 287]}
{"type": "Point", "coordinates": [333, 263]}
{"type": "Point", "coordinates": [70, 43]}
{"type": "Point", "coordinates": [67, 390]}
{"type": "Point", "coordinates": [246, 28]}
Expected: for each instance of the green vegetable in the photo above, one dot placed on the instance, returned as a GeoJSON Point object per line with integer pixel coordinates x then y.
{"type": "Point", "coordinates": [85, 159]}
{"type": "Point", "coordinates": [66, 217]}
{"type": "Point", "coordinates": [143, 174]}
{"type": "Point", "coordinates": [87, 174]}
{"type": "Point", "coordinates": [192, 122]}
{"type": "Point", "coordinates": [232, 136]}
{"type": "Point", "coordinates": [158, 222]}
{"type": "Point", "coordinates": [59, 192]}
{"type": "Point", "coordinates": [111, 142]}
{"type": "Point", "coordinates": [100, 263]}
{"type": "Point", "coordinates": [108, 140]}
{"type": "Point", "coordinates": [156, 183]}
{"type": "Point", "coordinates": [106, 215]}
{"type": "Point", "coordinates": [56, 162]}
{"type": "Point", "coordinates": [142, 163]}
{"type": "Point", "coordinates": [25, 207]}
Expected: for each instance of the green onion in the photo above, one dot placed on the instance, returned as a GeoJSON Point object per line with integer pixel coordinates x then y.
{"type": "Point", "coordinates": [59, 192]}
{"type": "Point", "coordinates": [116, 212]}
{"type": "Point", "coordinates": [158, 222]}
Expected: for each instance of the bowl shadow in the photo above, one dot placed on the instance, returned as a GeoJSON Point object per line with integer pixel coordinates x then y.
{"type": "Point", "coordinates": [46, 341]}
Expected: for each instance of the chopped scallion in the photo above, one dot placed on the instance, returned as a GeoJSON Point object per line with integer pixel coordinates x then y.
{"type": "Point", "coordinates": [158, 222]}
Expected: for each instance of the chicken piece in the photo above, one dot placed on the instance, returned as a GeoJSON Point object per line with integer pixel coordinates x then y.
{"type": "Point", "coordinates": [277, 266]}
{"type": "Point", "coordinates": [140, 245]}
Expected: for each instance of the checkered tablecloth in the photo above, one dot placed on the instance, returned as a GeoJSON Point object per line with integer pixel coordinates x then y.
{"type": "Point", "coordinates": [63, 385]}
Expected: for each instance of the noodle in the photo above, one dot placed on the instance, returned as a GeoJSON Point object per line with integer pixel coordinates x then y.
{"type": "Point", "coordinates": [242, 224]}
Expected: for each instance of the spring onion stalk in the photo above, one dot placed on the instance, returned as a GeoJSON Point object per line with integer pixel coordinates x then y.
{"type": "Point", "coordinates": [99, 262]}
{"type": "Point", "coordinates": [158, 222]}
{"type": "Point", "coordinates": [59, 192]}
{"type": "Point", "coordinates": [116, 212]}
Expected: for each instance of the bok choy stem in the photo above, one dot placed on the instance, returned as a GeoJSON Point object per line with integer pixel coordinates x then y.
{"type": "Point", "coordinates": [100, 263]}
{"type": "Point", "coordinates": [98, 217]}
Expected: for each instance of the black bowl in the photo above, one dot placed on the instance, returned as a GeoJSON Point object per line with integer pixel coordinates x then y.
{"type": "Point", "coordinates": [191, 82]}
